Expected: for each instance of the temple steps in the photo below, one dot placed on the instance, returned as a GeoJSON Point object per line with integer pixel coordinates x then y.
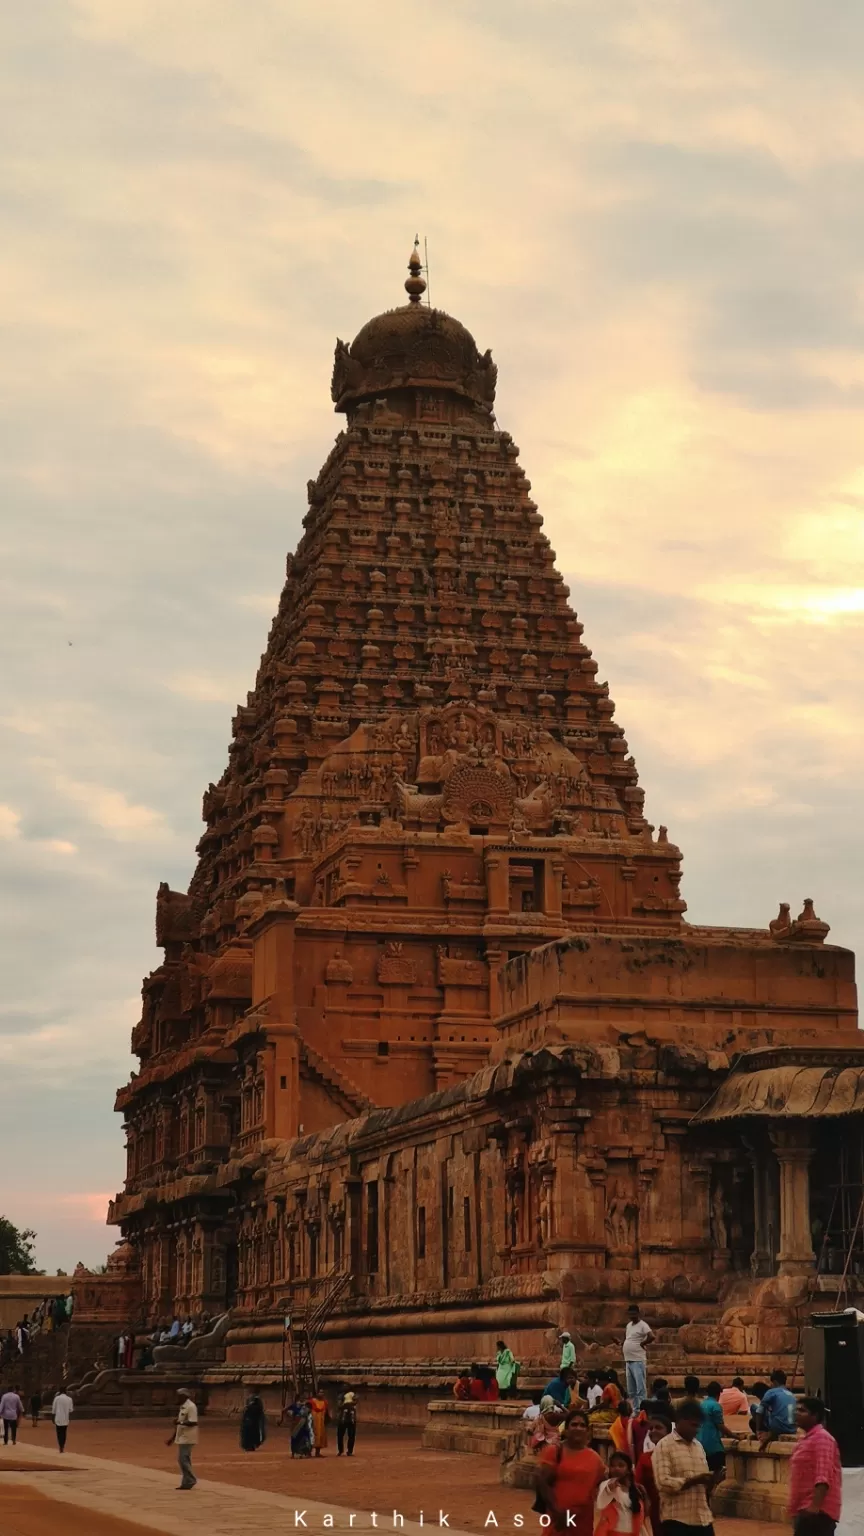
{"type": "Point", "coordinates": [335, 1080]}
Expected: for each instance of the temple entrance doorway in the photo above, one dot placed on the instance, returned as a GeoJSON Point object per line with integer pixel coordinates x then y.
{"type": "Point", "coordinates": [837, 1196]}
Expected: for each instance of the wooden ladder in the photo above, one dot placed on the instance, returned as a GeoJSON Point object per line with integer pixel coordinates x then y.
{"type": "Point", "coordinates": [306, 1325]}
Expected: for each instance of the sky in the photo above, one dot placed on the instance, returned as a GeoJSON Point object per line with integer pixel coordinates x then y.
{"type": "Point", "coordinates": [652, 211]}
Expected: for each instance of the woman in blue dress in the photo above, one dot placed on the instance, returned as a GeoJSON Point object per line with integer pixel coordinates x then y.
{"type": "Point", "coordinates": [302, 1438]}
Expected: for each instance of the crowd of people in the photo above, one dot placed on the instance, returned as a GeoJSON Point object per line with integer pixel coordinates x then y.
{"type": "Point", "coordinates": [307, 1422]}
{"type": "Point", "coordinates": [12, 1411]}
{"type": "Point", "coordinates": [52, 1314]}
{"type": "Point", "coordinates": [179, 1330]}
{"type": "Point", "coordinates": [664, 1465]}
{"type": "Point", "coordinates": [665, 1457]}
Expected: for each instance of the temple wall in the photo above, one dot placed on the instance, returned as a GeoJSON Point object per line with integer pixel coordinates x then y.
{"type": "Point", "coordinates": [20, 1294]}
{"type": "Point", "coordinates": [735, 981]}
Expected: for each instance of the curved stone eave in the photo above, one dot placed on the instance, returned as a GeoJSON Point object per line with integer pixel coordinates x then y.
{"type": "Point", "coordinates": [794, 1092]}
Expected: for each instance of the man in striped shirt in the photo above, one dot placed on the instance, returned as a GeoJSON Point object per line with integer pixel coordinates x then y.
{"type": "Point", "coordinates": [815, 1478]}
{"type": "Point", "coordinates": [682, 1476]}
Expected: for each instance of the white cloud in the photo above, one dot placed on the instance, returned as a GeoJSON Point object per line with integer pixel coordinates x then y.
{"type": "Point", "coordinates": [111, 810]}
{"type": "Point", "coordinates": [204, 688]}
{"type": "Point", "coordinates": [10, 822]}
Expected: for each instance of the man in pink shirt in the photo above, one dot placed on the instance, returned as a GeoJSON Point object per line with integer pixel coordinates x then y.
{"type": "Point", "coordinates": [815, 1478]}
{"type": "Point", "coordinates": [734, 1400]}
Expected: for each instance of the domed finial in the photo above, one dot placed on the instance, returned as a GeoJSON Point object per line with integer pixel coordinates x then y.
{"type": "Point", "coordinates": [415, 285]}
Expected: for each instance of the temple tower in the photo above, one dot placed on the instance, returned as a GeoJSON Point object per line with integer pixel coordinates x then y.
{"type": "Point", "coordinates": [426, 781]}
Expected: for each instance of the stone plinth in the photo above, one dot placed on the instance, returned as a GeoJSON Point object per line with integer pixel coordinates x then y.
{"type": "Point", "coordinates": [483, 1429]}
{"type": "Point", "coordinates": [756, 1486]}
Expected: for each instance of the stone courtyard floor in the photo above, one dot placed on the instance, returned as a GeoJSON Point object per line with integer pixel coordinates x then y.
{"type": "Point", "coordinates": [118, 1477]}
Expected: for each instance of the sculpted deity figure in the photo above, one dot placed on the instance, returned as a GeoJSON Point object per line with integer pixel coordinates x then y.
{"type": "Point", "coordinates": [719, 1224]}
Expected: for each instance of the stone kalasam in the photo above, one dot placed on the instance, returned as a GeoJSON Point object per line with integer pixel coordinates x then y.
{"type": "Point", "coordinates": [430, 1010]}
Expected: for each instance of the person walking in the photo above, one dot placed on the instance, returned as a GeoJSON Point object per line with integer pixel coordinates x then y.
{"type": "Point", "coordinates": [637, 1334]}
{"type": "Point", "coordinates": [346, 1423]}
{"type": "Point", "coordinates": [620, 1501]}
{"type": "Point", "coordinates": [302, 1437]}
{"type": "Point", "coordinates": [568, 1476]}
{"type": "Point", "coordinates": [11, 1410]}
{"type": "Point", "coordinates": [712, 1429]}
{"type": "Point", "coordinates": [35, 1408]}
{"type": "Point", "coordinates": [184, 1437]}
{"type": "Point", "coordinates": [505, 1369]}
{"type": "Point", "coordinates": [658, 1428]}
{"type": "Point", "coordinates": [682, 1475]}
{"type": "Point", "coordinates": [815, 1477]}
{"type": "Point", "coordinates": [253, 1424]}
{"type": "Point", "coordinates": [568, 1353]}
{"type": "Point", "coordinates": [61, 1413]}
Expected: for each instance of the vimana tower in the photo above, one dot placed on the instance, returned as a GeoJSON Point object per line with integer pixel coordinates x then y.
{"type": "Point", "coordinates": [431, 1022]}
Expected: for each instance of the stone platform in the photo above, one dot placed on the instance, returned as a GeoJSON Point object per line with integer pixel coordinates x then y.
{"type": "Point", "coordinates": [756, 1486]}
{"type": "Point", "coordinates": [485, 1429]}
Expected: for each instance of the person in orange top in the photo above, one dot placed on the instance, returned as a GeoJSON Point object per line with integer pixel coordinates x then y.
{"type": "Point", "coordinates": [620, 1502]}
{"type": "Point", "coordinates": [320, 1414]}
{"type": "Point", "coordinates": [462, 1388]}
{"type": "Point", "coordinates": [621, 1429]}
{"type": "Point", "coordinates": [568, 1477]}
{"type": "Point", "coordinates": [644, 1471]}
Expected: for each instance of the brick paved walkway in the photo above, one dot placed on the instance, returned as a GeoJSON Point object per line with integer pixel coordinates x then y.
{"type": "Point", "coordinates": [149, 1498]}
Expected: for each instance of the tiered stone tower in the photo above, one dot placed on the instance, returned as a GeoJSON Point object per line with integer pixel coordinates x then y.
{"type": "Point", "coordinates": [426, 780]}
{"type": "Point", "coordinates": [426, 783]}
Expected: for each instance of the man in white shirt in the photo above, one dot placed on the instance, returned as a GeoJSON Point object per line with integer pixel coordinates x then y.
{"type": "Point", "coordinates": [637, 1335]}
{"type": "Point", "coordinates": [184, 1437]}
{"type": "Point", "coordinates": [11, 1410]}
{"type": "Point", "coordinates": [61, 1413]}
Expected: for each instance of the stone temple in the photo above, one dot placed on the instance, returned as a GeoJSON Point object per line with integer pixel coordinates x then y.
{"type": "Point", "coordinates": [431, 1021]}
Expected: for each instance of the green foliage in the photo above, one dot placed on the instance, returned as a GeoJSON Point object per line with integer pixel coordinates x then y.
{"type": "Point", "coordinates": [16, 1250]}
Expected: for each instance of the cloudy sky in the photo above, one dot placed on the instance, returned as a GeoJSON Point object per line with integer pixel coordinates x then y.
{"type": "Point", "coordinates": [652, 211]}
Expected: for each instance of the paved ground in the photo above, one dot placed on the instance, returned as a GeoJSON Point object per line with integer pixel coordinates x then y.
{"type": "Point", "coordinates": [127, 1475]}
{"type": "Point", "coordinates": [24, 1511]}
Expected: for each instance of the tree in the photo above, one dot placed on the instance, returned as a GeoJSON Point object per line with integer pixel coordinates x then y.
{"type": "Point", "coordinates": [16, 1249]}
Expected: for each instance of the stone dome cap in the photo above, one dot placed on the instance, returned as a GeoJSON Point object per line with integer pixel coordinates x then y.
{"type": "Point", "coordinates": [413, 347]}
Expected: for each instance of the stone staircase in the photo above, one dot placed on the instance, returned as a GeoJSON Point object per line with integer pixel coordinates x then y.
{"type": "Point", "coordinates": [346, 1093]}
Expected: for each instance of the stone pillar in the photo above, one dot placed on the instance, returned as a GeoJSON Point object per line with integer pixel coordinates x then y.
{"type": "Point", "coordinates": [497, 882]}
{"type": "Point", "coordinates": [553, 871]}
{"type": "Point", "coordinates": [494, 959]}
{"type": "Point", "coordinates": [793, 1149]}
{"type": "Point", "coordinates": [761, 1259]}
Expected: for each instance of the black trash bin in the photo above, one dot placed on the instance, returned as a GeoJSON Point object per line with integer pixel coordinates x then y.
{"type": "Point", "coordinates": [834, 1371]}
